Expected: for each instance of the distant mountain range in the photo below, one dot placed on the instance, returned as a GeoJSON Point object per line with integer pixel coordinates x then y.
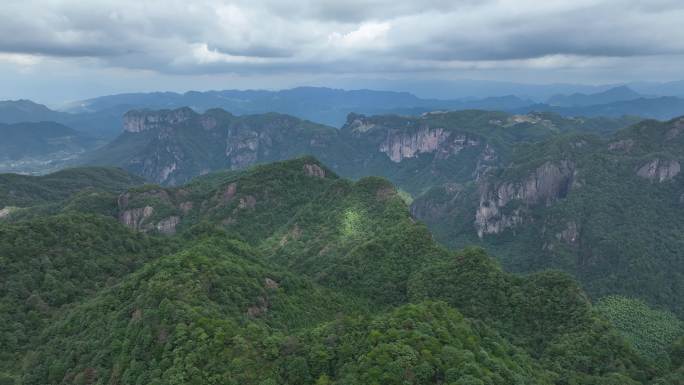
{"type": "Point", "coordinates": [322, 105]}
{"type": "Point", "coordinates": [103, 116]}
{"type": "Point", "coordinates": [663, 108]}
{"type": "Point", "coordinates": [456, 89]}
{"type": "Point", "coordinates": [40, 147]}
{"type": "Point", "coordinates": [104, 124]}
{"type": "Point", "coordinates": [617, 94]}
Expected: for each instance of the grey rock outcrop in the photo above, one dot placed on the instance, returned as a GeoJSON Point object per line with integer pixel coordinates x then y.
{"type": "Point", "coordinates": [314, 170]}
{"type": "Point", "coordinates": [168, 225]}
{"type": "Point", "coordinates": [659, 170]}
{"type": "Point", "coordinates": [142, 120]}
{"type": "Point", "coordinates": [570, 234]}
{"type": "Point", "coordinates": [5, 212]}
{"type": "Point", "coordinates": [142, 218]}
{"type": "Point", "coordinates": [548, 183]}
{"type": "Point", "coordinates": [401, 145]}
{"type": "Point", "coordinates": [135, 218]}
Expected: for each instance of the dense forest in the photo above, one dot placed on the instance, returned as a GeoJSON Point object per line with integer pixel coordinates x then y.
{"type": "Point", "coordinates": [606, 210]}
{"type": "Point", "coordinates": [287, 274]}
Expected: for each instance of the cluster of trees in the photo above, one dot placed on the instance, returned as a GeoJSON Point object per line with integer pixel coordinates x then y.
{"type": "Point", "coordinates": [651, 332]}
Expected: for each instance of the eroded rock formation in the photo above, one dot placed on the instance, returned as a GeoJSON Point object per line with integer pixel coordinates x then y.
{"type": "Point", "coordinates": [659, 170]}
{"type": "Point", "coordinates": [548, 183]}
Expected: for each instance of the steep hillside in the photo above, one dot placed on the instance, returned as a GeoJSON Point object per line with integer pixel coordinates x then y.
{"type": "Point", "coordinates": [170, 147]}
{"type": "Point", "coordinates": [417, 153]}
{"type": "Point", "coordinates": [24, 191]}
{"type": "Point", "coordinates": [305, 216]}
{"type": "Point", "coordinates": [173, 146]}
{"type": "Point", "coordinates": [286, 274]}
{"type": "Point", "coordinates": [52, 262]}
{"type": "Point", "coordinates": [607, 211]}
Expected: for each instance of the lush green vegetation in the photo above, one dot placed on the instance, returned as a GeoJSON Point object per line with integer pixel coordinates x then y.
{"type": "Point", "coordinates": [313, 280]}
{"type": "Point", "coordinates": [23, 191]}
{"type": "Point", "coordinates": [423, 343]}
{"type": "Point", "coordinates": [650, 331]}
{"type": "Point", "coordinates": [546, 313]}
{"type": "Point", "coordinates": [50, 263]}
{"type": "Point", "coordinates": [617, 232]}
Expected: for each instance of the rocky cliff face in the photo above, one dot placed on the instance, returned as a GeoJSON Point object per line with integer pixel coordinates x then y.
{"type": "Point", "coordinates": [401, 145]}
{"type": "Point", "coordinates": [144, 120]}
{"type": "Point", "coordinates": [144, 218]}
{"type": "Point", "coordinates": [181, 144]}
{"type": "Point", "coordinates": [548, 183]}
{"type": "Point", "coordinates": [404, 138]}
{"type": "Point", "coordinates": [5, 212]}
{"type": "Point", "coordinates": [659, 170]}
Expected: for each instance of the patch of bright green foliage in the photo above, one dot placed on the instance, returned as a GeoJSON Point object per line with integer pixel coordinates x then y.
{"type": "Point", "coordinates": [650, 331]}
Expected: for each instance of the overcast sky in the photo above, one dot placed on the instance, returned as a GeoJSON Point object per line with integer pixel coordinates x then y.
{"type": "Point", "coordinates": [52, 50]}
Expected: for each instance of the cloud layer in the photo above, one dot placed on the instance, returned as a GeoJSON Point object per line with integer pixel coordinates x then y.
{"type": "Point", "coordinates": [55, 50]}
{"type": "Point", "coordinates": [352, 36]}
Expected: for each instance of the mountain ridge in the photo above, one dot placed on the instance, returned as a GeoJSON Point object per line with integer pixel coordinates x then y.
{"type": "Point", "coordinates": [170, 146]}
{"type": "Point", "coordinates": [560, 204]}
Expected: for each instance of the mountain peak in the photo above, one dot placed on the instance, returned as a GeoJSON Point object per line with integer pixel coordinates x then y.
{"type": "Point", "coordinates": [622, 91]}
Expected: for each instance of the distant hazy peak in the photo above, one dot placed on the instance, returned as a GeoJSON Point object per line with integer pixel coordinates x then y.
{"type": "Point", "coordinates": [615, 94]}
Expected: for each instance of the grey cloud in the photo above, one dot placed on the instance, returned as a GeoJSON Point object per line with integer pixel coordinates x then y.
{"type": "Point", "coordinates": [327, 36]}
{"type": "Point", "coordinates": [354, 11]}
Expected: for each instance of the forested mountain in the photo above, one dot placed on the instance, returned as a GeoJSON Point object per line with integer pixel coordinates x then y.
{"type": "Point", "coordinates": [539, 190]}
{"type": "Point", "coordinates": [606, 210]}
{"type": "Point", "coordinates": [417, 153]}
{"type": "Point", "coordinates": [172, 146]}
{"type": "Point", "coordinates": [27, 191]}
{"type": "Point", "coordinates": [283, 274]}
